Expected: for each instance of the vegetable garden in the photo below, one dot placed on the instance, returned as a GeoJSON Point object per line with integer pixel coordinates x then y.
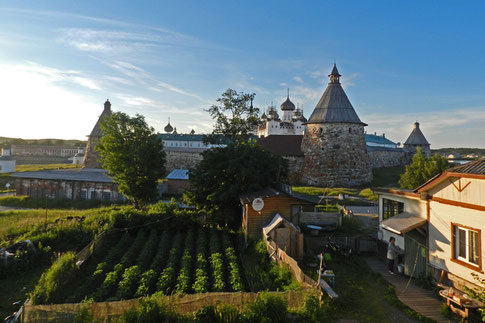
{"type": "Point", "coordinates": [147, 262]}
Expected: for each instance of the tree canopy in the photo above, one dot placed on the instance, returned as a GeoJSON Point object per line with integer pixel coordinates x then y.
{"type": "Point", "coordinates": [225, 173]}
{"type": "Point", "coordinates": [422, 169]}
{"type": "Point", "coordinates": [235, 115]}
{"type": "Point", "coordinates": [133, 155]}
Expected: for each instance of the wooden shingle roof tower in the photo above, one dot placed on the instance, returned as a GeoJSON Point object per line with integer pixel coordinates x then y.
{"type": "Point", "coordinates": [334, 148]}
{"type": "Point", "coordinates": [91, 156]}
{"type": "Point", "coordinates": [417, 140]}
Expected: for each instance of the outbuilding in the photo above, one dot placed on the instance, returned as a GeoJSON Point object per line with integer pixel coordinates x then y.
{"type": "Point", "coordinates": [260, 207]}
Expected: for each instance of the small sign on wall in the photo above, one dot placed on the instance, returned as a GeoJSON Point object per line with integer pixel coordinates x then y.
{"type": "Point", "coordinates": [258, 204]}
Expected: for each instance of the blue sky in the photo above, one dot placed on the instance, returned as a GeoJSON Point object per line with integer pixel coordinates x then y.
{"type": "Point", "coordinates": [401, 61]}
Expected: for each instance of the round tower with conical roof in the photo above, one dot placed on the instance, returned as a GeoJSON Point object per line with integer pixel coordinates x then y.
{"type": "Point", "coordinates": [417, 140]}
{"type": "Point", "coordinates": [334, 148]}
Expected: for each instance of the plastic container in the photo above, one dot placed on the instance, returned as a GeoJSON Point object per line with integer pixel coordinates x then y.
{"type": "Point", "coordinates": [400, 268]}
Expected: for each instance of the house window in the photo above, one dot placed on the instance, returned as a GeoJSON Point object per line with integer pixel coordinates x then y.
{"type": "Point", "coordinates": [465, 246]}
{"type": "Point", "coordinates": [391, 208]}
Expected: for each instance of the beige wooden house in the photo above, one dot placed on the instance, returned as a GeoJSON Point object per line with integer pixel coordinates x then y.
{"type": "Point", "coordinates": [440, 224]}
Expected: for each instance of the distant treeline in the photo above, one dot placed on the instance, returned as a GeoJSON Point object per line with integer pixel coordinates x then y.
{"type": "Point", "coordinates": [461, 151]}
{"type": "Point", "coordinates": [42, 142]}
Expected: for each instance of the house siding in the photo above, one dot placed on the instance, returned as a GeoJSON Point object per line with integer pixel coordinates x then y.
{"type": "Point", "coordinates": [441, 218]}
{"type": "Point", "coordinates": [276, 204]}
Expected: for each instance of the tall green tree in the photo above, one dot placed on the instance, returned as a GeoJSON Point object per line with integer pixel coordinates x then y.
{"type": "Point", "coordinates": [225, 173]}
{"type": "Point", "coordinates": [235, 116]}
{"type": "Point", "coordinates": [422, 169]}
{"type": "Point", "coordinates": [133, 155]}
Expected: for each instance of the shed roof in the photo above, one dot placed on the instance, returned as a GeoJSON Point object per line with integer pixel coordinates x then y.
{"type": "Point", "coordinates": [276, 221]}
{"type": "Point", "coordinates": [179, 174]}
{"type": "Point", "coordinates": [84, 175]}
{"type": "Point", "coordinates": [416, 137]}
{"type": "Point", "coordinates": [269, 192]}
{"type": "Point", "coordinates": [402, 223]}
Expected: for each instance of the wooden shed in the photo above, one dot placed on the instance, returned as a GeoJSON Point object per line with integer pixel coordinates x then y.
{"type": "Point", "coordinates": [286, 235]}
{"type": "Point", "coordinates": [287, 204]}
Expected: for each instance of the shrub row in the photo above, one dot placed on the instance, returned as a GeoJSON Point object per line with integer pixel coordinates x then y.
{"type": "Point", "coordinates": [167, 277]}
{"type": "Point", "coordinates": [217, 264]}
{"type": "Point", "coordinates": [185, 273]}
{"type": "Point", "coordinates": [201, 283]}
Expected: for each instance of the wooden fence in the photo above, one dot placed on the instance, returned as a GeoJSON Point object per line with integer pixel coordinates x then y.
{"type": "Point", "coordinates": [182, 304]}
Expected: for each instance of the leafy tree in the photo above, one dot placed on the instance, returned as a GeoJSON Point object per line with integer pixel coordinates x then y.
{"type": "Point", "coordinates": [132, 154]}
{"type": "Point", "coordinates": [235, 116]}
{"type": "Point", "coordinates": [422, 169]}
{"type": "Point", "coordinates": [225, 173]}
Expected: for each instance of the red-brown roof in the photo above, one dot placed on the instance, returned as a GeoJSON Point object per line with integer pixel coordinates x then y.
{"type": "Point", "coordinates": [283, 145]}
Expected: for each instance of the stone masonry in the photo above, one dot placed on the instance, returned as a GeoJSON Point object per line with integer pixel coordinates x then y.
{"type": "Point", "coordinates": [335, 155]}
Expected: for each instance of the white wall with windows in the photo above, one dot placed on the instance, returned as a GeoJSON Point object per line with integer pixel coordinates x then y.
{"type": "Point", "coordinates": [456, 240]}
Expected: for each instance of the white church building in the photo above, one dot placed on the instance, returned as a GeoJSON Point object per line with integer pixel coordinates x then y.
{"type": "Point", "coordinates": [291, 121]}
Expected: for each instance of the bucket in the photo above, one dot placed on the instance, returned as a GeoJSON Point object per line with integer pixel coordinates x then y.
{"type": "Point", "coordinates": [400, 268]}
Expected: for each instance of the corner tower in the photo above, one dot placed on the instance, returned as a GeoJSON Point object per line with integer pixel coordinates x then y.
{"type": "Point", "coordinates": [335, 153]}
{"type": "Point", "coordinates": [417, 140]}
{"type": "Point", "coordinates": [91, 156]}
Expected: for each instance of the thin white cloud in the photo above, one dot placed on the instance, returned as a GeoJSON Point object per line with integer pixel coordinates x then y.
{"type": "Point", "coordinates": [298, 79]}
{"type": "Point", "coordinates": [136, 101]}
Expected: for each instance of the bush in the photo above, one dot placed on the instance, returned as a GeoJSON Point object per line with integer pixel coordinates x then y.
{"type": "Point", "coordinates": [223, 313]}
{"type": "Point", "coordinates": [54, 279]}
{"type": "Point", "coordinates": [314, 311]}
{"type": "Point", "coordinates": [268, 308]}
{"type": "Point", "coordinates": [129, 282]}
{"type": "Point", "coordinates": [151, 310]}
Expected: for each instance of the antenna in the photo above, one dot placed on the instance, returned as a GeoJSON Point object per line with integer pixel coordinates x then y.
{"type": "Point", "coordinates": [288, 93]}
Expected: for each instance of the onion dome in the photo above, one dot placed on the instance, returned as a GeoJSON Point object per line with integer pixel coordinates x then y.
{"type": "Point", "coordinates": [168, 128]}
{"type": "Point", "coordinates": [192, 132]}
{"type": "Point", "coordinates": [263, 116]}
{"type": "Point", "coordinates": [175, 130]}
{"type": "Point", "coordinates": [287, 105]}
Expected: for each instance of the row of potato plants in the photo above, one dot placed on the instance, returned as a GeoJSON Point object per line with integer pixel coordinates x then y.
{"type": "Point", "coordinates": [98, 274]}
{"type": "Point", "coordinates": [201, 283]}
{"type": "Point", "coordinates": [234, 273]}
{"type": "Point", "coordinates": [217, 264]}
{"type": "Point", "coordinates": [185, 273]}
{"type": "Point", "coordinates": [167, 277]}
{"type": "Point", "coordinates": [110, 284]}
{"type": "Point", "coordinates": [197, 261]}
{"type": "Point", "coordinates": [148, 279]}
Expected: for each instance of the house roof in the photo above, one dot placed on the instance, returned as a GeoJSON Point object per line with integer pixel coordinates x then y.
{"type": "Point", "coordinates": [269, 192]}
{"type": "Point", "coordinates": [83, 175]}
{"type": "Point", "coordinates": [378, 139]}
{"type": "Point", "coordinates": [402, 223]}
{"type": "Point", "coordinates": [334, 105]}
{"type": "Point", "coordinates": [283, 145]}
{"type": "Point", "coordinates": [179, 174]}
{"type": "Point", "coordinates": [378, 148]}
{"type": "Point", "coordinates": [416, 137]}
{"type": "Point", "coordinates": [276, 221]}
{"type": "Point", "coordinates": [474, 169]}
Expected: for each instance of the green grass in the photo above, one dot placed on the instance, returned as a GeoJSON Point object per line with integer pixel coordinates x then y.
{"type": "Point", "coordinates": [37, 167]}
{"type": "Point", "coordinates": [36, 203]}
{"type": "Point", "coordinates": [387, 176]}
{"type": "Point", "coordinates": [363, 295]}
{"type": "Point", "coordinates": [312, 190]}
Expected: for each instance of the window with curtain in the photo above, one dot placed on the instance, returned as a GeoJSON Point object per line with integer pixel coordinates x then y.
{"type": "Point", "coordinates": [466, 245]}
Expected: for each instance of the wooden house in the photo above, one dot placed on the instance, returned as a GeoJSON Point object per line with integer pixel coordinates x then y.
{"type": "Point", "coordinates": [439, 225]}
{"type": "Point", "coordinates": [260, 207]}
